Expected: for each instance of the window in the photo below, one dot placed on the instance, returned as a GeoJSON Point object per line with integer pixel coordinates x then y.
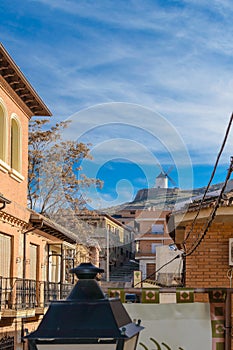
{"type": "Point", "coordinates": [2, 134]}
{"type": "Point", "coordinates": [136, 226]}
{"type": "Point", "coordinates": [33, 261]}
{"type": "Point", "coordinates": [158, 229]}
{"type": "Point", "coordinates": [54, 268]}
{"type": "Point", "coordinates": [16, 156]}
{"type": "Point", "coordinates": [5, 251]}
{"type": "Point", "coordinates": [68, 264]}
{"type": "Point", "coordinates": [3, 138]}
{"type": "Point", "coordinates": [150, 270]}
{"type": "Point", "coordinates": [153, 247]}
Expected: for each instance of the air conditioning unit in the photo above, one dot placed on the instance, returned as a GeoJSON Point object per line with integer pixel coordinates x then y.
{"type": "Point", "coordinates": [231, 251]}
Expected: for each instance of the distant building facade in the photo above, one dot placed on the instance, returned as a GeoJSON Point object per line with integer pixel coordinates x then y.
{"type": "Point", "coordinates": [150, 232]}
{"type": "Point", "coordinates": [116, 240]}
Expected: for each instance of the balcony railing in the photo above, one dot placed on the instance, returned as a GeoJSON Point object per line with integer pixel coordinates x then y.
{"type": "Point", "coordinates": [56, 291]}
{"type": "Point", "coordinates": [25, 297]}
{"type": "Point", "coordinates": [5, 293]}
{"type": "Point", "coordinates": [22, 294]}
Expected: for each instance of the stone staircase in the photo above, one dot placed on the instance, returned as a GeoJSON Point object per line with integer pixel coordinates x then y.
{"type": "Point", "coordinates": [124, 273]}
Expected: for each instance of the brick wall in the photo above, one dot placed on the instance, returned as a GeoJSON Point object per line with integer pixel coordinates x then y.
{"type": "Point", "coordinates": [12, 189]}
{"type": "Point", "coordinates": [208, 265]}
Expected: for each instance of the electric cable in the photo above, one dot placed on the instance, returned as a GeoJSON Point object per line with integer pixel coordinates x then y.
{"type": "Point", "coordinates": [212, 216]}
{"type": "Point", "coordinates": [213, 213]}
{"type": "Point", "coordinates": [230, 275]}
{"type": "Point", "coordinates": [153, 273]}
{"type": "Point", "coordinates": [211, 178]}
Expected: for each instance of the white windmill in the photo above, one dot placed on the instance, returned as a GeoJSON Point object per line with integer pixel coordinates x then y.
{"type": "Point", "coordinates": [161, 180]}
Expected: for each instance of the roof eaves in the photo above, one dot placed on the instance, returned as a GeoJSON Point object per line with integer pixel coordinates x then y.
{"type": "Point", "coordinates": [46, 225]}
{"type": "Point", "coordinates": [14, 77]}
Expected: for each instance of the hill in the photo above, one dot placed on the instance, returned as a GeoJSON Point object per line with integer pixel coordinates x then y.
{"type": "Point", "coordinates": [167, 198]}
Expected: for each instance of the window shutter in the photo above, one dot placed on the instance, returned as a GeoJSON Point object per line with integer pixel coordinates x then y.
{"type": "Point", "coordinates": [5, 253]}
{"type": "Point", "coordinates": [33, 261]}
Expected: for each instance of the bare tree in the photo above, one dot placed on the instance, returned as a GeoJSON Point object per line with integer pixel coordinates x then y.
{"type": "Point", "coordinates": [55, 178]}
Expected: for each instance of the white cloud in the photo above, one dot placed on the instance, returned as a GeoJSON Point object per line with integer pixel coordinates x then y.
{"type": "Point", "coordinates": [174, 59]}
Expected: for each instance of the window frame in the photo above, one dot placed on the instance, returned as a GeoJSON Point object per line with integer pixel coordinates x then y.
{"type": "Point", "coordinates": [16, 148]}
{"type": "Point", "coordinates": [4, 166]}
{"type": "Point", "coordinates": [158, 231]}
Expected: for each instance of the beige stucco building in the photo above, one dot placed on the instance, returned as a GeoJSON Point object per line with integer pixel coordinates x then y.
{"type": "Point", "coordinates": [151, 231]}
{"type": "Point", "coordinates": [115, 239]}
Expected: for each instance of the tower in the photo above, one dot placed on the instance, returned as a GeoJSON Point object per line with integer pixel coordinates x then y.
{"type": "Point", "coordinates": [161, 181]}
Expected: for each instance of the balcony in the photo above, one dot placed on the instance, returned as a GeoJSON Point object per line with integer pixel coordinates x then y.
{"type": "Point", "coordinates": [26, 298]}
{"type": "Point", "coordinates": [55, 291]}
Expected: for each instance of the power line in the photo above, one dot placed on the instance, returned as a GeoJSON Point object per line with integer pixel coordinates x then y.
{"type": "Point", "coordinates": [161, 267]}
{"type": "Point", "coordinates": [213, 213]}
{"type": "Point", "coordinates": [211, 178]}
{"type": "Point", "coordinates": [212, 216]}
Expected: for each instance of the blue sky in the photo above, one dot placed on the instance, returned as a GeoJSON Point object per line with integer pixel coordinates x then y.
{"type": "Point", "coordinates": [148, 83]}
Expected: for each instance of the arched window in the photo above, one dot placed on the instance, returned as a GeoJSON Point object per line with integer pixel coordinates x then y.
{"type": "Point", "coordinates": [3, 133]}
{"type": "Point", "coordinates": [16, 152]}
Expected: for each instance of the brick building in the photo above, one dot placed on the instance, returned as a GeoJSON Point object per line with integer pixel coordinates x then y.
{"type": "Point", "coordinates": [150, 232]}
{"type": "Point", "coordinates": [35, 252]}
{"type": "Point", "coordinates": [208, 262]}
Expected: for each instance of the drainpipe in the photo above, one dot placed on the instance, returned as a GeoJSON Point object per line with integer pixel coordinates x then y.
{"type": "Point", "coordinates": [62, 272]}
{"type": "Point", "coordinates": [183, 278]}
{"type": "Point", "coordinates": [4, 202]}
{"type": "Point", "coordinates": [23, 330]}
{"type": "Point", "coordinates": [3, 205]}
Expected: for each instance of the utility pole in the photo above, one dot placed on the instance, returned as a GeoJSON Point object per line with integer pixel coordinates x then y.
{"type": "Point", "coordinates": [107, 251]}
